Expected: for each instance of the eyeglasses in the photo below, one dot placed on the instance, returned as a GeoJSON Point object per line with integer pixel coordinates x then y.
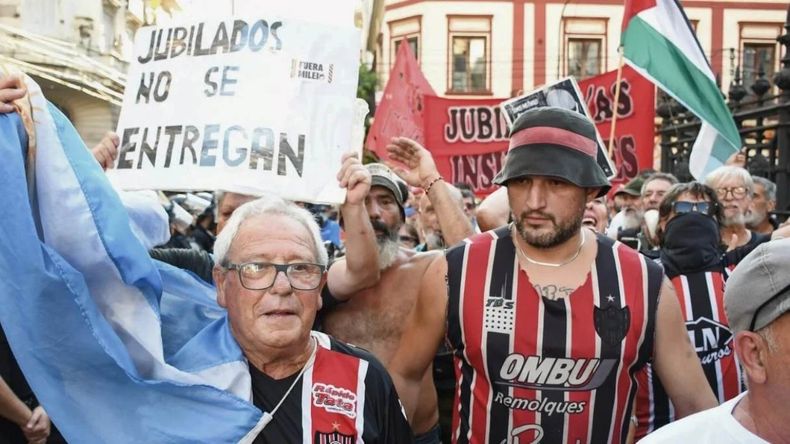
{"type": "Point", "coordinates": [261, 275]}
{"type": "Point", "coordinates": [682, 206]}
{"type": "Point", "coordinates": [737, 192]}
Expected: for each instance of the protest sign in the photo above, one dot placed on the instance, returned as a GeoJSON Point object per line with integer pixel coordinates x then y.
{"type": "Point", "coordinates": [635, 129]}
{"type": "Point", "coordinates": [563, 93]}
{"type": "Point", "coordinates": [250, 104]}
{"type": "Point", "coordinates": [468, 140]}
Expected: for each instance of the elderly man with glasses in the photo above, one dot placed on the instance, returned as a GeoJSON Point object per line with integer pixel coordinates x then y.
{"type": "Point", "coordinates": [734, 187]}
{"type": "Point", "coordinates": [271, 266]}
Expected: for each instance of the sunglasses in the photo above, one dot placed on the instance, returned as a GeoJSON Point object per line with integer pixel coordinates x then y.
{"type": "Point", "coordinates": [682, 206]}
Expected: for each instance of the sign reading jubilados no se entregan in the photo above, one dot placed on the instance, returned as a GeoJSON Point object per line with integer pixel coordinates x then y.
{"type": "Point", "coordinates": [247, 104]}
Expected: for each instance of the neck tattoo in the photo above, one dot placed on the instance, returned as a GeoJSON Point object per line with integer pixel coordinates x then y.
{"type": "Point", "coordinates": [550, 264]}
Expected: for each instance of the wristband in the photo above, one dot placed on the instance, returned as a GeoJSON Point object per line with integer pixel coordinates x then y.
{"type": "Point", "coordinates": [430, 184]}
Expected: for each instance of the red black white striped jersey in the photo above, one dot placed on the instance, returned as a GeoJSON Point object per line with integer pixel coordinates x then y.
{"type": "Point", "coordinates": [701, 297]}
{"type": "Point", "coordinates": [532, 369]}
{"type": "Point", "coordinates": [345, 397]}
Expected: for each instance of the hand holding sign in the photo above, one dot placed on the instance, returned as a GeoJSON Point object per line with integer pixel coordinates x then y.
{"type": "Point", "coordinates": [421, 166]}
{"type": "Point", "coordinates": [355, 178]}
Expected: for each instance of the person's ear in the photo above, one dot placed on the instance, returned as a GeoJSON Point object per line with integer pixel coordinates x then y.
{"type": "Point", "coordinates": [751, 349]}
{"type": "Point", "coordinates": [219, 274]}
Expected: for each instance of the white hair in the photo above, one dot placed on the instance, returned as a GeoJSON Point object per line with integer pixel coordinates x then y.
{"type": "Point", "coordinates": [715, 177]}
{"type": "Point", "coordinates": [265, 206]}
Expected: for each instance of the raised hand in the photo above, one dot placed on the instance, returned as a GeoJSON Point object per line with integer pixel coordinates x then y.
{"type": "Point", "coordinates": [106, 151]}
{"type": "Point", "coordinates": [11, 88]}
{"type": "Point", "coordinates": [420, 168]}
{"type": "Point", "coordinates": [355, 178]}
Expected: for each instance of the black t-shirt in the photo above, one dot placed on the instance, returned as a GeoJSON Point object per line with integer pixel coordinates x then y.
{"type": "Point", "coordinates": [321, 406]}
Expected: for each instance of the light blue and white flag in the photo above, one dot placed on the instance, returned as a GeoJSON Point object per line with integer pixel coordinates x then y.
{"type": "Point", "coordinates": [117, 347]}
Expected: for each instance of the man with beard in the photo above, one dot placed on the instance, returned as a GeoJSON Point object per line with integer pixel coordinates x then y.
{"type": "Point", "coordinates": [374, 318]}
{"type": "Point", "coordinates": [548, 320]}
{"type": "Point", "coordinates": [763, 203]}
{"type": "Point", "coordinates": [734, 187]}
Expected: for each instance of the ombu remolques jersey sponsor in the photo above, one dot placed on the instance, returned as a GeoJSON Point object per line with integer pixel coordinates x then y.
{"type": "Point", "coordinates": [701, 297]}
{"type": "Point", "coordinates": [531, 368]}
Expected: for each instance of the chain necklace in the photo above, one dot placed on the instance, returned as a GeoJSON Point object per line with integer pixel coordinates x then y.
{"type": "Point", "coordinates": [549, 264]}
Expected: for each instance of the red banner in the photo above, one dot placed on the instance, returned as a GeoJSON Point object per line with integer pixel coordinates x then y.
{"type": "Point", "coordinates": [400, 112]}
{"type": "Point", "coordinates": [468, 140]}
{"type": "Point", "coordinates": [469, 137]}
{"type": "Point", "coordinates": [634, 130]}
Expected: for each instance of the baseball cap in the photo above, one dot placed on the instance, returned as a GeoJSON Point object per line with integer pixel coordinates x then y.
{"type": "Point", "coordinates": [632, 188]}
{"type": "Point", "coordinates": [758, 291]}
{"type": "Point", "coordinates": [555, 142]}
{"type": "Point", "coordinates": [382, 175]}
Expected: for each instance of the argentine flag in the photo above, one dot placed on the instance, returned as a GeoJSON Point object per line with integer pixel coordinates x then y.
{"type": "Point", "coordinates": [118, 348]}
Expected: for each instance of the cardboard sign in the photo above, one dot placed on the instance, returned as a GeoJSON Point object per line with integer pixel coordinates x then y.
{"type": "Point", "coordinates": [563, 93]}
{"type": "Point", "coordinates": [253, 105]}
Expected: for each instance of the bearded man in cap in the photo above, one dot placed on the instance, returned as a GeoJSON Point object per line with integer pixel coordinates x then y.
{"type": "Point", "coordinates": [549, 321]}
{"type": "Point", "coordinates": [374, 318]}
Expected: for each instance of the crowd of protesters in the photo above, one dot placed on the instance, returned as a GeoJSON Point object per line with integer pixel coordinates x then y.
{"type": "Point", "coordinates": [557, 308]}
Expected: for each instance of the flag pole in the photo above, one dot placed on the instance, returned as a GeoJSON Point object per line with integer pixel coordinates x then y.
{"type": "Point", "coordinates": [616, 99]}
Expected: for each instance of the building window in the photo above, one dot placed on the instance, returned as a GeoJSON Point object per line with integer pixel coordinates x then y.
{"type": "Point", "coordinates": [584, 57]}
{"type": "Point", "coordinates": [414, 45]}
{"type": "Point", "coordinates": [756, 56]}
{"type": "Point", "coordinates": [407, 29]}
{"type": "Point", "coordinates": [584, 43]}
{"type": "Point", "coordinates": [759, 49]}
{"type": "Point", "coordinates": [469, 41]}
{"type": "Point", "coordinates": [469, 64]}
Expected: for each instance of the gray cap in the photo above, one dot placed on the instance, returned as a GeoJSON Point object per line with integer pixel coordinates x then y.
{"type": "Point", "coordinates": [758, 291]}
{"type": "Point", "coordinates": [383, 176]}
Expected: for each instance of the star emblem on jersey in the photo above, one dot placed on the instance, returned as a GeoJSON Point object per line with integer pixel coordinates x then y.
{"type": "Point", "coordinates": [610, 298]}
{"type": "Point", "coordinates": [612, 323]}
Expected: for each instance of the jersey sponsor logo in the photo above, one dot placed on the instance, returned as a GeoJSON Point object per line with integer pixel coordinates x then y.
{"type": "Point", "coordinates": [525, 434]}
{"type": "Point", "coordinates": [499, 302]}
{"type": "Point", "coordinates": [334, 399]}
{"type": "Point", "coordinates": [612, 323]}
{"type": "Point", "coordinates": [549, 373]}
{"type": "Point", "coordinates": [542, 406]}
{"type": "Point", "coordinates": [333, 438]}
{"type": "Point", "coordinates": [711, 340]}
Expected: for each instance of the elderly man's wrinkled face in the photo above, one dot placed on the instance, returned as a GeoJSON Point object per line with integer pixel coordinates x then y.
{"type": "Point", "coordinates": [280, 316]}
{"type": "Point", "coordinates": [653, 193]}
{"type": "Point", "coordinates": [735, 199]}
{"type": "Point", "coordinates": [761, 206]}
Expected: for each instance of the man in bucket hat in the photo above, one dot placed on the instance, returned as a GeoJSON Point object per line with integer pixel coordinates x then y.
{"type": "Point", "coordinates": [549, 320]}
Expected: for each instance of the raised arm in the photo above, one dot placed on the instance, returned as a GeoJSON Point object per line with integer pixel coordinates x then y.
{"type": "Point", "coordinates": [422, 173]}
{"type": "Point", "coordinates": [422, 336]}
{"type": "Point", "coordinates": [359, 268]}
{"type": "Point", "coordinates": [493, 211]}
{"type": "Point", "coordinates": [676, 363]}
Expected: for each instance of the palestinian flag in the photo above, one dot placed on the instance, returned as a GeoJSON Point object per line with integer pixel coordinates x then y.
{"type": "Point", "coordinates": [660, 44]}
